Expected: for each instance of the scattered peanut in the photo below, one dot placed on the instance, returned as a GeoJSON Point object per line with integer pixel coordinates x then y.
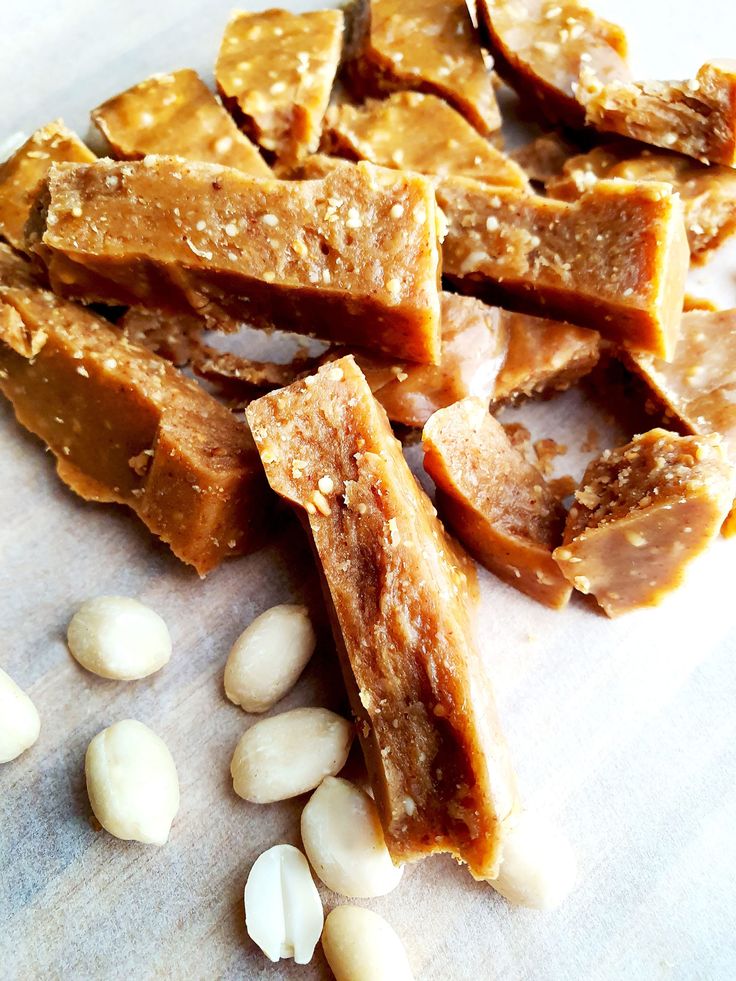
{"type": "Point", "coordinates": [538, 868]}
{"type": "Point", "coordinates": [344, 841]}
{"type": "Point", "coordinates": [268, 657]}
{"type": "Point", "coordinates": [289, 754]}
{"type": "Point", "coordinates": [19, 721]}
{"type": "Point", "coordinates": [283, 911]}
{"type": "Point", "coordinates": [360, 946]}
{"type": "Point", "coordinates": [118, 637]}
{"type": "Point", "coordinates": [132, 782]}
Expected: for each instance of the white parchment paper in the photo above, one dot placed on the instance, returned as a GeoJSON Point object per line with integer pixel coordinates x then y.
{"type": "Point", "coordinates": [624, 730]}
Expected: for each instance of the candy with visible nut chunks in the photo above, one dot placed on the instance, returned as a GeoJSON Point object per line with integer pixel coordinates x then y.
{"type": "Point", "coordinates": [283, 911]}
{"type": "Point", "coordinates": [177, 114]}
{"type": "Point", "coordinates": [342, 837]}
{"type": "Point", "coordinates": [708, 192]}
{"type": "Point", "coordinates": [426, 45]}
{"type": "Point", "coordinates": [275, 71]}
{"type": "Point", "coordinates": [696, 117]}
{"type": "Point", "coordinates": [268, 657]}
{"type": "Point", "coordinates": [289, 754]}
{"type": "Point", "coordinates": [132, 783]}
{"type": "Point", "coordinates": [361, 946]}
{"type": "Point", "coordinates": [332, 256]}
{"type": "Point", "coordinates": [540, 47]}
{"type": "Point", "coordinates": [615, 260]}
{"type": "Point", "coordinates": [126, 427]}
{"type": "Point", "coordinates": [496, 503]}
{"type": "Point", "coordinates": [415, 131]}
{"type": "Point", "coordinates": [642, 514]}
{"type": "Point", "coordinates": [22, 175]}
{"type": "Point", "coordinates": [398, 598]}
{"type": "Point", "coordinates": [19, 721]}
{"type": "Point", "coordinates": [119, 637]}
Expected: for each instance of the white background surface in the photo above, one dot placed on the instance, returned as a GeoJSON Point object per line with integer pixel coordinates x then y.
{"type": "Point", "coordinates": [624, 730]}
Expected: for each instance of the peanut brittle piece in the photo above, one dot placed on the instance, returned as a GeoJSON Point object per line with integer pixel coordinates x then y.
{"type": "Point", "coordinates": [642, 513]}
{"type": "Point", "coordinates": [414, 131]}
{"type": "Point", "coordinates": [474, 345]}
{"type": "Point", "coordinates": [176, 114]}
{"type": "Point", "coordinates": [544, 158]}
{"type": "Point", "coordinates": [540, 48]}
{"type": "Point", "coordinates": [438, 763]}
{"type": "Point", "coordinates": [275, 71]}
{"type": "Point", "coordinates": [127, 427]}
{"type": "Point", "coordinates": [615, 260]}
{"type": "Point", "coordinates": [708, 192]}
{"type": "Point", "coordinates": [543, 356]}
{"type": "Point", "coordinates": [352, 257]}
{"type": "Point", "coordinates": [22, 175]}
{"type": "Point", "coordinates": [425, 45]}
{"type": "Point", "coordinates": [696, 117]}
{"type": "Point", "coordinates": [497, 504]}
{"type": "Point", "coordinates": [175, 338]}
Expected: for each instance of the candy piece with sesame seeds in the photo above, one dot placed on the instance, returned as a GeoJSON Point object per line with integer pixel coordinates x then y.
{"type": "Point", "coordinates": [161, 237]}
{"type": "Point", "coordinates": [424, 45]}
{"type": "Point", "coordinates": [540, 47]}
{"type": "Point", "coordinates": [275, 71]}
{"type": "Point", "coordinates": [497, 504]}
{"type": "Point", "coordinates": [127, 427]}
{"type": "Point", "coordinates": [176, 114]}
{"type": "Point", "coordinates": [614, 260]}
{"type": "Point", "coordinates": [696, 117]}
{"type": "Point", "coordinates": [420, 132]}
{"type": "Point", "coordinates": [398, 597]}
{"type": "Point", "coordinates": [642, 513]}
{"type": "Point", "coordinates": [23, 173]}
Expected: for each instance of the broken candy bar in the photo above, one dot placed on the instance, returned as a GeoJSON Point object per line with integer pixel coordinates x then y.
{"type": "Point", "coordinates": [696, 117]}
{"type": "Point", "coordinates": [353, 257]}
{"type": "Point", "coordinates": [22, 175]}
{"type": "Point", "coordinates": [615, 260]}
{"type": "Point", "coordinates": [275, 71]}
{"type": "Point", "coordinates": [438, 763]}
{"type": "Point", "coordinates": [126, 427]}
{"type": "Point", "coordinates": [497, 504]}
{"type": "Point", "coordinates": [642, 514]}
{"type": "Point", "coordinates": [414, 131]}
{"type": "Point", "coordinates": [176, 114]}
{"type": "Point", "coordinates": [426, 45]}
{"type": "Point", "coordinates": [540, 48]}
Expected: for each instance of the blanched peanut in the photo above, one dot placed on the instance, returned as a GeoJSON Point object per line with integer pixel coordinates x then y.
{"type": "Point", "coordinates": [283, 911]}
{"type": "Point", "coordinates": [132, 782]}
{"type": "Point", "coordinates": [268, 657]}
{"type": "Point", "coordinates": [19, 721]}
{"type": "Point", "coordinates": [360, 946]}
{"type": "Point", "coordinates": [118, 637]}
{"type": "Point", "coordinates": [344, 841]}
{"type": "Point", "coordinates": [289, 754]}
{"type": "Point", "coordinates": [538, 867]}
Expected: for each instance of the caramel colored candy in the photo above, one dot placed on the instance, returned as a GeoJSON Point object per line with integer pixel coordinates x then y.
{"type": "Point", "coordinates": [425, 45]}
{"type": "Point", "coordinates": [543, 356]}
{"type": "Point", "coordinates": [126, 427]}
{"type": "Point", "coordinates": [540, 48]}
{"type": "Point", "coordinates": [353, 257]}
{"type": "Point", "coordinates": [413, 131]}
{"type": "Point", "coordinates": [438, 763]}
{"type": "Point", "coordinates": [696, 117]}
{"type": "Point", "coordinates": [474, 345]}
{"type": "Point", "coordinates": [175, 337]}
{"type": "Point", "coordinates": [22, 175]}
{"type": "Point", "coordinates": [642, 514]}
{"type": "Point", "coordinates": [275, 70]}
{"type": "Point", "coordinates": [497, 504]}
{"type": "Point", "coordinates": [708, 192]}
{"type": "Point", "coordinates": [544, 158]}
{"type": "Point", "coordinates": [615, 260]}
{"type": "Point", "coordinates": [176, 114]}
